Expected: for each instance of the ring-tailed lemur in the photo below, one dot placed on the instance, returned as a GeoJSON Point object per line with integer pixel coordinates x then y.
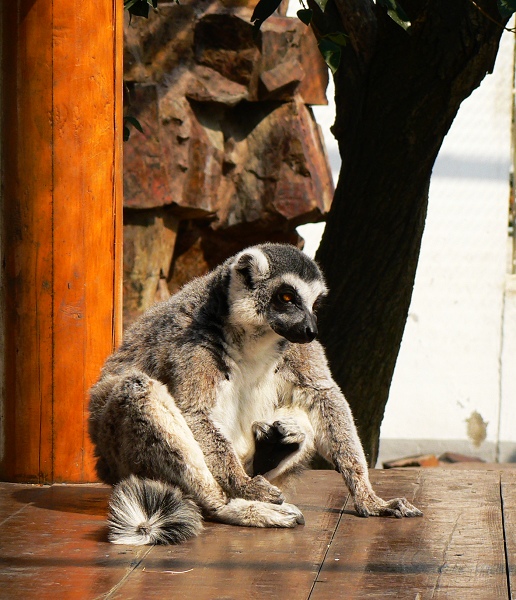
{"type": "Point", "coordinates": [216, 393]}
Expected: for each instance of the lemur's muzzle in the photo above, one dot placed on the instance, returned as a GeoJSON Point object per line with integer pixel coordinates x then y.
{"type": "Point", "coordinates": [302, 332]}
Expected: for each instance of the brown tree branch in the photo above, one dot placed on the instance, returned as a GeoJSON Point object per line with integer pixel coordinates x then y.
{"type": "Point", "coordinates": [488, 16]}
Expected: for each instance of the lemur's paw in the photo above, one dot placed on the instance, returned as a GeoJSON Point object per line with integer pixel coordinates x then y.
{"type": "Point", "coordinates": [284, 515]}
{"type": "Point", "coordinates": [290, 431]}
{"type": "Point", "coordinates": [259, 514]}
{"type": "Point", "coordinates": [258, 488]}
{"type": "Point", "coordinates": [261, 430]}
{"type": "Point", "coordinates": [376, 507]}
{"type": "Point", "coordinates": [284, 431]}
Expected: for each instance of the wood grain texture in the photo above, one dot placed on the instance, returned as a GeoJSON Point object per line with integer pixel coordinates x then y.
{"type": "Point", "coordinates": [27, 237]}
{"type": "Point", "coordinates": [455, 551]}
{"type": "Point", "coordinates": [84, 209]}
{"type": "Point", "coordinates": [61, 145]}
{"type": "Point", "coordinates": [508, 493]}
{"type": "Point", "coordinates": [237, 562]}
{"type": "Point", "coordinates": [54, 545]}
{"type": "Point", "coordinates": [57, 545]}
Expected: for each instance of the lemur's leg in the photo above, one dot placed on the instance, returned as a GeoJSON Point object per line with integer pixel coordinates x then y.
{"type": "Point", "coordinates": [283, 447]}
{"type": "Point", "coordinates": [141, 431]}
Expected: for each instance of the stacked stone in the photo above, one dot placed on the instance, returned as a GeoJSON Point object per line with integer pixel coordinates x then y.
{"type": "Point", "coordinates": [230, 153]}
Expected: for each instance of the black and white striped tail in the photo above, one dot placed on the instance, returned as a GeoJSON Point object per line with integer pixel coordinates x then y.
{"type": "Point", "coordinates": [143, 511]}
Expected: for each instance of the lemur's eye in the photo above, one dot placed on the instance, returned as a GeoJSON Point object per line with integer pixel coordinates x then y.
{"type": "Point", "coordinates": [286, 297]}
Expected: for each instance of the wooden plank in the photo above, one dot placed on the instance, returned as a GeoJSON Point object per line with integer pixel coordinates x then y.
{"type": "Point", "coordinates": [454, 551]}
{"type": "Point", "coordinates": [62, 228]}
{"type": "Point", "coordinates": [85, 103]}
{"type": "Point", "coordinates": [118, 181]}
{"type": "Point", "coordinates": [27, 239]}
{"type": "Point", "coordinates": [8, 507]}
{"type": "Point", "coordinates": [508, 491]}
{"type": "Point", "coordinates": [54, 544]}
{"type": "Point", "coordinates": [235, 562]}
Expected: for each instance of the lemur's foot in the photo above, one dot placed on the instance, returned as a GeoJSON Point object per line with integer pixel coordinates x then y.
{"type": "Point", "coordinates": [274, 443]}
{"type": "Point", "coordinates": [284, 431]}
{"type": "Point", "coordinates": [259, 514]}
{"type": "Point", "coordinates": [258, 488]}
{"type": "Point", "coordinates": [373, 506]}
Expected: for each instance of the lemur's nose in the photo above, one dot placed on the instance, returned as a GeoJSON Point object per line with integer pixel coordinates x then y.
{"type": "Point", "coordinates": [311, 332]}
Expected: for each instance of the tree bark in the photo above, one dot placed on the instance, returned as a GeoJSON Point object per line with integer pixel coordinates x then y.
{"type": "Point", "coordinates": [397, 94]}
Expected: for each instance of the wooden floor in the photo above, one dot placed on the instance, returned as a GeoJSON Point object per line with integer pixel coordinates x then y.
{"type": "Point", "coordinates": [53, 545]}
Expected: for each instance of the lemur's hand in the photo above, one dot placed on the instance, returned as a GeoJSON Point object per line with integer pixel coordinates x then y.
{"type": "Point", "coordinates": [258, 488]}
{"type": "Point", "coordinates": [373, 506]}
{"type": "Point", "coordinates": [285, 431]}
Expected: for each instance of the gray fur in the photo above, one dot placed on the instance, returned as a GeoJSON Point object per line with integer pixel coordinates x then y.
{"type": "Point", "coordinates": [224, 376]}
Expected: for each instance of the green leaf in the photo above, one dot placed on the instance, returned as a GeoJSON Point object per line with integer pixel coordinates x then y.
{"type": "Point", "coordinates": [263, 10]}
{"type": "Point", "coordinates": [127, 131]}
{"type": "Point", "coordinates": [331, 53]}
{"type": "Point", "coordinates": [506, 7]}
{"type": "Point", "coordinates": [321, 4]}
{"type": "Point", "coordinates": [305, 15]}
{"type": "Point", "coordinates": [129, 3]}
{"type": "Point", "coordinates": [134, 122]}
{"type": "Point", "coordinates": [396, 13]}
{"type": "Point", "coordinates": [339, 38]}
{"type": "Point", "coordinates": [140, 8]}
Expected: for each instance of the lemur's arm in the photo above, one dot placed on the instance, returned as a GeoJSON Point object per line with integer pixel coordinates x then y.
{"type": "Point", "coordinates": [336, 436]}
{"type": "Point", "coordinates": [337, 440]}
{"type": "Point", "coordinates": [197, 397]}
{"type": "Point", "coordinates": [224, 464]}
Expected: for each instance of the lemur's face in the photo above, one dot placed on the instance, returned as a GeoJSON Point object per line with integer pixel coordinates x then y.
{"type": "Point", "coordinates": [291, 312]}
{"type": "Point", "coordinates": [277, 287]}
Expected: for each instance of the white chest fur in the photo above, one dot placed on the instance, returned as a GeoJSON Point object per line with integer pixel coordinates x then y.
{"type": "Point", "coordinates": [250, 394]}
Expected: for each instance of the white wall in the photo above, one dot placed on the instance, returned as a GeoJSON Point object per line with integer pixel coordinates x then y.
{"type": "Point", "coordinates": [458, 345]}
{"type": "Point", "coordinates": [325, 117]}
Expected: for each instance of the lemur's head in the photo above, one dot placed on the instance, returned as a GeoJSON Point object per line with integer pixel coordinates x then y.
{"type": "Point", "coordinates": [276, 286]}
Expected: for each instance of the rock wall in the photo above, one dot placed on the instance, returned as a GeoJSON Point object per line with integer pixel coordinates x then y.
{"type": "Point", "coordinates": [230, 154]}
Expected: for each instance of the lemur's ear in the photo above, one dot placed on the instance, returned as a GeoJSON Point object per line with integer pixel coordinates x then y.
{"type": "Point", "coordinates": [251, 265]}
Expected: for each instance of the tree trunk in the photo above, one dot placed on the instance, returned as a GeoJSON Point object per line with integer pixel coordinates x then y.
{"type": "Point", "coordinates": [397, 94]}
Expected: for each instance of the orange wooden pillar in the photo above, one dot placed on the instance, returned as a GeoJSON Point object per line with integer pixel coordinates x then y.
{"type": "Point", "coordinates": [61, 209]}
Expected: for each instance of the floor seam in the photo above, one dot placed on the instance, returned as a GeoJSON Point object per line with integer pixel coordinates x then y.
{"type": "Point", "coordinates": [505, 549]}
{"type": "Point", "coordinates": [334, 533]}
